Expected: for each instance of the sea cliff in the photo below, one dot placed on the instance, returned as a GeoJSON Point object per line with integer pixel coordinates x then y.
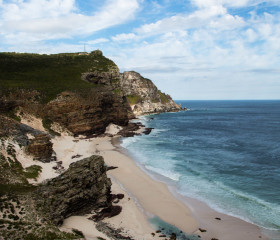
{"type": "Point", "coordinates": [42, 98]}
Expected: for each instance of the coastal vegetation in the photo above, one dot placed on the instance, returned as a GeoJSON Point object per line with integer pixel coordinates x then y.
{"type": "Point", "coordinates": [49, 74]}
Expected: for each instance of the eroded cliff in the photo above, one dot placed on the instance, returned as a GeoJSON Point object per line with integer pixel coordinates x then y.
{"type": "Point", "coordinates": [143, 96]}
{"type": "Point", "coordinates": [79, 94]}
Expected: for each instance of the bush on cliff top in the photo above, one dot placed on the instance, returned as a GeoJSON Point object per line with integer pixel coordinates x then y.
{"type": "Point", "coordinates": [50, 74]}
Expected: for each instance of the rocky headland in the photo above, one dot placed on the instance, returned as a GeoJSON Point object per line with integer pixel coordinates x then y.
{"type": "Point", "coordinates": [42, 97]}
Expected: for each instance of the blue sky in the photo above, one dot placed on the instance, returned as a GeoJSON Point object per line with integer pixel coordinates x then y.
{"type": "Point", "coordinates": [191, 49]}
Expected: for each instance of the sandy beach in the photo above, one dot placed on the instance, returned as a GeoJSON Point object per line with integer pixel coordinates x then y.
{"type": "Point", "coordinates": [187, 214]}
{"type": "Point", "coordinates": [144, 196]}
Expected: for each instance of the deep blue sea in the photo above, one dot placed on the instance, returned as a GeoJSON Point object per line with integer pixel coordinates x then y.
{"type": "Point", "coordinates": [224, 153]}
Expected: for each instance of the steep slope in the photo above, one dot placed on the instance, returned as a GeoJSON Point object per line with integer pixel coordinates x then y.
{"type": "Point", "coordinates": [83, 93]}
{"type": "Point", "coordinates": [143, 96]}
{"type": "Point", "coordinates": [79, 93]}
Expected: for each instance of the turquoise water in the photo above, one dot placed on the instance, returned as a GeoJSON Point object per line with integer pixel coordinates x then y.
{"type": "Point", "coordinates": [224, 153]}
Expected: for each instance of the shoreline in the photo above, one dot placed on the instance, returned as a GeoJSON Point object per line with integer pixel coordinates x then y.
{"type": "Point", "coordinates": [145, 197]}
{"type": "Point", "coordinates": [228, 228]}
{"type": "Point", "coordinates": [153, 196]}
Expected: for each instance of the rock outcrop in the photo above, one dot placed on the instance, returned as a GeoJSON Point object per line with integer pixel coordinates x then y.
{"type": "Point", "coordinates": [143, 96]}
{"type": "Point", "coordinates": [83, 187]}
{"type": "Point", "coordinates": [88, 113]}
{"type": "Point", "coordinates": [40, 148]}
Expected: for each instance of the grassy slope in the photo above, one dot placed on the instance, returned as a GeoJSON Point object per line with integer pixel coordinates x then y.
{"type": "Point", "coordinates": [50, 74]}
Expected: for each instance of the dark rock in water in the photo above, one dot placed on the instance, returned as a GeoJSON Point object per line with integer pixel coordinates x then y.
{"type": "Point", "coordinates": [158, 231]}
{"type": "Point", "coordinates": [83, 187]}
{"type": "Point", "coordinates": [173, 236]}
{"type": "Point", "coordinates": [147, 131]}
{"type": "Point", "coordinates": [41, 148]}
{"type": "Point", "coordinates": [162, 235]}
{"type": "Point", "coordinates": [130, 130]}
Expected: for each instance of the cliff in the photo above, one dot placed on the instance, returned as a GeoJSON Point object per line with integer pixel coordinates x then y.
{"type": "Point", "coordinates": [143, 96]}
{"type": "Point", "coordinates": [82, 93]}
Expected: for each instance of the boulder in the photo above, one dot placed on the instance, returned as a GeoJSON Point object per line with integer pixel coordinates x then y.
{"type": "Point", "coordinates": [79, 190]}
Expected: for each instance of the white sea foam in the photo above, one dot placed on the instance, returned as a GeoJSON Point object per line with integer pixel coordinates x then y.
{"type": "Point", "coordinates": [166, 173]}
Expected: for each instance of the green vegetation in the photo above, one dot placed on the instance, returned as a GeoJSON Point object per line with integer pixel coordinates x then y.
{"type": "Point", "coordinates": [118, 92]}
{"type": "Point", "coordinates": [49, 74]}
{"type": "Point", "coordinates": [163, 97]}
{"type": "Point", "coordinates": [47, 124]}
{"type": "Point", "coordinates": [32, 171]}
{"type": "Point", "coordinates": [78, 232]}
{"type": "Point", "coordinates": [12, 114]}
{"type": "Point", "coordinates": [16, 188]}
{"type": "Point", "coordinates": [133, 99]}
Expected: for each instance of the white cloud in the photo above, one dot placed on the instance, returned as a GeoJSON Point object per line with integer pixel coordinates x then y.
{"type": "Point", "coordinates": [34, 9]}
{"type": "Point", "coordinates": [214, 16]}
{"type": "Point", "coordinates": [53, 19]}
{"type": "Point", "coordinates": [231, 3]}
{"type": "Point", "coordinates": [206, 53]}
{"type": "Point", "coordinates": [124, 37]}
{"type": "Point", "coordinates": [97, 41]}
{"type": "Point", "coordinates": [251, 35]}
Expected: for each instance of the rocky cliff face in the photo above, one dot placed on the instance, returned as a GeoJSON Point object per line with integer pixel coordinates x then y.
{"type": "Point", "coordinates": [83, 187]}
{"type": "Point", "coordinates": [83, 94]}
{"type": "Point", "coordinates": [41, 148]}
{"type": "Point", "coordinates": [89, 112]}
{"type": "Point", "coordinates": [143, 96]}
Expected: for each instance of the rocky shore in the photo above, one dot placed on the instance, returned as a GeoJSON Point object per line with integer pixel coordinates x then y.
{"type": "Point", "coordinates": [80, 97]}
{"type": "Point", "coordinates": [60, 175]}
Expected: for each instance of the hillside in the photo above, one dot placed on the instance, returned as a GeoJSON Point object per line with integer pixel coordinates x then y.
{"type": "Point", "coordinates": [53, 74]}
{"type": "Point", "coordinates": [44, 98]}
{"type": "Point", "coordinates": [50, 74]}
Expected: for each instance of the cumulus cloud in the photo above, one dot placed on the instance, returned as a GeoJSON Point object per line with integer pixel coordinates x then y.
{"type": "Point", "coordinates": [54, 19]}
{"type": "Point", "coordinates": [231, 3]}
{"type": "Point", "coordinates": [213, 17]}
{"type": "Point", "coordinates": [208, 47]}
{"type": "Point", "coordinates": [214, 46]}
{"type": "Point", "coordinates": [97, 41]}
{"type": "Point", "coordinates": [124, 37]}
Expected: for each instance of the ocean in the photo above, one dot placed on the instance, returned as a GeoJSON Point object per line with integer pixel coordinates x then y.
{"type": "Point", "coordinates": [224, 153]}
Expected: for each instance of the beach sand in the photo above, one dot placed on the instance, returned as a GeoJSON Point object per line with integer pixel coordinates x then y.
{"type": "Point", "coordinates": [185, 213]}
{"type": "Point", "coordinates": [144, 197]}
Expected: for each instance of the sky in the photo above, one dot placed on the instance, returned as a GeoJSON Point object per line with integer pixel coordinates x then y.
{"type": "Point", "coordinates": [191, 49]}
